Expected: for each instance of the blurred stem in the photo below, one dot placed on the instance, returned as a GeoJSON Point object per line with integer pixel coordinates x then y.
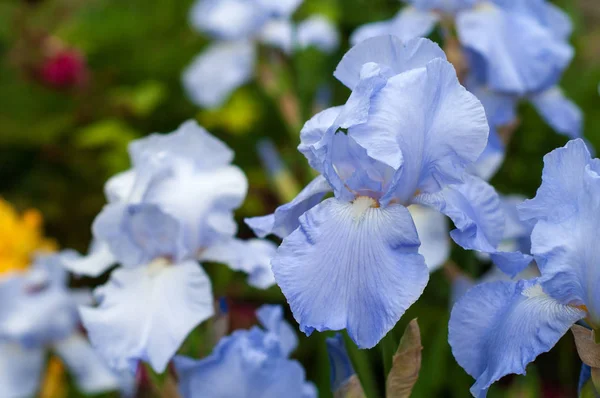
{"type": "Point", "coordinates": [388, 346]}
{"type": "Point", "coordinates": [363, 367]}
{"type": "Point", "coordinates": [453, 49]}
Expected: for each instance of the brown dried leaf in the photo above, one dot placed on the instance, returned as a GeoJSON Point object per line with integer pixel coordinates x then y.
{"type": "Point", "coordinates": [588, 350]}
{"type": "Point", "coordinates": [406, 363]}
{"type": "Point", "coordinates": [351, 389]}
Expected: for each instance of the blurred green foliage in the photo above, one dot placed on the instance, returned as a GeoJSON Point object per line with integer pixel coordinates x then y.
{"type": "Point", "coordinates": [58, 146]}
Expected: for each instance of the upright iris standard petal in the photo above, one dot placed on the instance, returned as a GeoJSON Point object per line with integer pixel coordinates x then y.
{"type": "Point", "coordinates": [135, 318]}
{"type": "Point", "coordinates": [317, 31]}
{"type": "Point", "coordinates": [227, 19]}
{"type": "Point", "coordinates": [432, 228]}
{"type": "Point", "coordinates": [562, 182]}
{"type": "Point", "coordinates": [498, 328]}
{"type": "Point", "coordinates": [443, 5]}
{"type": "Point", "coordinates": [408, 24]}
{"type": "Point", "coordinates": [285, 219]}
{"type": "Point", "coordinates": [351, 266]}
{"type": "Point", "coordinates": [271, 317]}
{"type": "Point", "coordinates": [252, 257]}
{"type": "Point", "coordinates": [89, 371]}
{"type": "Point", "coordinates": [218, 71]}
{"type": "Point", "coordinates": [474, 207]}
{"type": "Point", "coordinates": [522, 54]}
{"type": "Point", "coordinates": [388, 51]}
{"type": "Point", "coordinates": [438, 126]}
{"type": "Point", "coordinates": [278, 33]}
{"type": "Point", "coordinates": [559, 112]}
{"type": "Point", "coordinates": [279, 8]}
{"type": "Point", "coordinates": [20, 370]}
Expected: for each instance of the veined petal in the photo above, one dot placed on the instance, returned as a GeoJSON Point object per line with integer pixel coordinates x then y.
{"type": "Point", "coordinates": [388, 51]}
{"type": "Point", "coordinates": [562, 184]}
{"type": "Point", "coordinates": [432, 227]}
{"type": "Point", "coordinates": [475, 208]}
{"type": "Point", "coordinates": [317, 31]}
{"type": "Point", "coordinates": [90, 373]}
{"type": "Point", "coordinates": [218, 71]}
{"type": "Point", "coordinates": [522, 55]}
{"type": "Point", "coordinates": [20, 370]}
{"type": "Point", "coordinates": [146, 313]}
{"type": "Point", "coordinates": [252, 257]}
{"type": "Point", "coordinates": [285, 218]}
{"type": "Point", "coordinates": [559, 112]}
{"type": "Point", "coordinates": [498, 328]}
{"type": "Point", "coordinates": [351, 266]}
{"type": "Point", "coordinates": [438, 126]}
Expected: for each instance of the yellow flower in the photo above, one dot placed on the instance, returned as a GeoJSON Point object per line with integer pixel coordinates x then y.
{"type": "Point", "coordinates": [21, 237]}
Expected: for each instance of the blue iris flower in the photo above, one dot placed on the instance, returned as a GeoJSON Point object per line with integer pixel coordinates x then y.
{"type": "Point", "coordinates": [173, 208]}
{"type": "Point", "coordinates": [498, 328]}
{"type": "Point", "coordinates": [38, 315]}
{"type": "Point", "coordinates": [515, 50]}
{"type": "Point", "coordinates": [405, 136]}
{"type": "Point", "coordinates": [238, 26]}
{"type": "Point", "coordinates": [248, 364]}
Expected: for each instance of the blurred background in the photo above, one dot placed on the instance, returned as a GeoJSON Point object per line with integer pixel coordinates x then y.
{"type": "Point", "coordinates": [79, 79]}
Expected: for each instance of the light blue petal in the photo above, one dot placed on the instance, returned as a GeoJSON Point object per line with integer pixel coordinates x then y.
{"type": "Point", "coordinates": [252, 257]}
{"type": "Point", "coordinates": [443, 5]}
{"type": "Point", "coordinates": [238, 367]}
{"type": "Point", "coordinates": [567, 253]}
{"type": "Point", "coordinates": [34, 311]}
{"type": "Point", "coordinates": [476, 211]}
{"type": "Point", "coordinates": [285, 218]}
{"type": "Point", "coordinates": [562, 184]}
{"type": "Point", "coordinates": [498, 328]}
{"type": "Point", "coordinates": [91, 374]}
{"type": "Point", "coordinates": [119, 187]}
{"type": "Point", "coordinates": [491, 158]}
{"type": "Point", "coordinates": [271, 317]}
{"type": "Point", "coordinates": [278, 33]}
{"type": "Point", "coordinates": [190, 142]}
{"type": "Point", "coordinates": [558, 20]}
{"type": "Point", "coordinates": [319, 32]}
{"type": "Point", "coordinates": [339, 363]}
{"type": "Point", "coordinates": [521, 54]}
{"type": "Point", "coordinates": [500, 109]}
{"type": "Point", "coordinates": [437, 125]}
{"type": "Point", "coordinates": [20, 370]}
{"type": "Point", "coordinates": [432, 227]}
{"type": "Point", "coordinates": [216, 73]}
{"type": "Point", "coordinates": [351, 266]}
{"type": "Point", "coordinates": [559, 112]}
{"type": "Point", "coordinates": [280, 8]}
{"type": "Point", "coordinates": [98, 260]}
{"type": "Point", "coordinates": [388, 51]}
{"type": "Point", "coordinates": [370, 30]}
{"type": "Point", "coordinates": [312, 136]}
{"type": "Point", "coordinates": [227, 19]}
{"type": "Point", "coordinates": [146, 313]}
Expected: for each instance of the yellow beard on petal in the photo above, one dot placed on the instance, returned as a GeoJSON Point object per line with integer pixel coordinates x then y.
{"type": "Point", "coordinates": [21, 237]}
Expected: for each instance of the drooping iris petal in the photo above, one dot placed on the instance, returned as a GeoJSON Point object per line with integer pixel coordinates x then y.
{"type": "Point", "coordinates": [271, 317]}
{"type": "Point", "coordinates": [432, 228]}
{"type": "Point", "coordinates": [522, 55]}
{"type": "Point", "coordinates": [218, 71]}
{"type": "Point", "coordinates": [408, 24]}
{"type": "Point", "coordinates": [567, 253]}
{"type": "Point", "coordinates": [33, 311]}
{"type": "Point", "coordinates": [317, 31]}
{"type": "Point", "coordinates": [498, 328]}
{"type": "Point", "coordinates": [559, 112]}
{"type": "Point", "coordinates": [134, 319]}
{"type": "Point", "coordinates": [239, 367]}
{"type": "Point", "coordinates": [474, 207]}
{"type": "Point", "coordinates": [562, 183]}
{"type": "Point", "coordinates": [388, 51]}
{"type": "Point", "coordinates": [285, 219]}
{"type": "Point", "coordinates": [351, 266]}
{"type": "Point", "coordinates": [89, 371]}
{"type": "Point", "coordinates": [20, 370]}
{"type": "Point", "coordinates": [227, 19]}
{"type": "Point", "coordinates": [251, 256]}
{"type": "Point", "coordinates": [98, 260]}
{"type": "Point", "coordinates": [436, 124]}
{"type": "Point", "coordinates": [339, 362]}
